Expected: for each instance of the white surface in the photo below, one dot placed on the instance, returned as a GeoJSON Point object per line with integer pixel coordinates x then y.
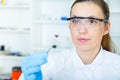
{"type": "Point", "coordinates": [7, 62]}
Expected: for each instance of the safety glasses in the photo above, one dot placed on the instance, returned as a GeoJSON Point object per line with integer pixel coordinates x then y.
{"type": "Point", "coordinates": [89, 23]}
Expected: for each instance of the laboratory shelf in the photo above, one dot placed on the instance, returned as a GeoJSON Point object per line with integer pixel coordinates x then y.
{"type": "Point", "coordinates": [56, 50]}
{"type": "Point", "coordinates": [8, 62]}
{"type": "Point", "coordinates": [49, 22]}
{"type": "Point", "coordinates": [15, 6]}
{"type": "Point", "coordinates": [10, 57]}
{"type": "Point", "coordinates": [15, 30]}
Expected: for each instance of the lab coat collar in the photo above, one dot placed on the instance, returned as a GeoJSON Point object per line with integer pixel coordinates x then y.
{"type": "Point", "coordinates": [77, 62]}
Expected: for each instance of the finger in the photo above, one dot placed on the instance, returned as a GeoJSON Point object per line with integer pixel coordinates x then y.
{"type": "Point", "coordinates": [35, 76]}
{"type": "Point", "coordinates": [30, 70]}
{"type": "Point", "coordinates": [34, 69]}
{"type": "Point", "coordinates": [31, 77]}
{"type": "Point", "coordinates": [34, 63]}
{"type": "Point", "coordinates": [33, 57]}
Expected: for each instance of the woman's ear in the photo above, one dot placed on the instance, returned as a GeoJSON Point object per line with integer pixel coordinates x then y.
{"type": "Point", "coordinates": [107, 28]}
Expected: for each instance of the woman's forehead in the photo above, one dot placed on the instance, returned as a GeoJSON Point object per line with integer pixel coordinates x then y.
{"type": "Point", "coordinates": [87, 9]}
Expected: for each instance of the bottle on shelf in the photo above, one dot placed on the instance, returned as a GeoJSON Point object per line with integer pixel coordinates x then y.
{"type": "Point", "coordinates": [3, 2]}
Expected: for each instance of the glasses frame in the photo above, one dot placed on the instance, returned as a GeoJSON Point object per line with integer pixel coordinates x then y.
{"type": "Point", "coordinates": [98, 19]}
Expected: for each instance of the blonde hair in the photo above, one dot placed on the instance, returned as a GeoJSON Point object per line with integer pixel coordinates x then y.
{"type": "Point", "coordinates": [107, 42]}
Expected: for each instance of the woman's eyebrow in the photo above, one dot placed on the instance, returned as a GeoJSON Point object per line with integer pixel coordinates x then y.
{"type": "Point", "coordinates": [82, 16]}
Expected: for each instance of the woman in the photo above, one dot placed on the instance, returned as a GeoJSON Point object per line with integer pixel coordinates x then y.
{"type": "Point", "coordinates": [91, 59]}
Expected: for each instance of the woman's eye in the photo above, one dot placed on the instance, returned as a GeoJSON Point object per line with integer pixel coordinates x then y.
{"type": "Point", "coordinates": [93, 21]}
{"type": "Point", "coordinates": [75, 21]}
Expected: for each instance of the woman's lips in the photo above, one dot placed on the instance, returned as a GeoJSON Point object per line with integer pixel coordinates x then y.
{"type": "Point", "coordinates": [83, 40]}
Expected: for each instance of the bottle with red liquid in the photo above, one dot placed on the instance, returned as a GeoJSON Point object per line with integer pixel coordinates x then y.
{"type": "Point", "coordinates": [16, 72]}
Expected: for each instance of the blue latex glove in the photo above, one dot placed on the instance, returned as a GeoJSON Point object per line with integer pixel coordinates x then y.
{"type": "Point", "coordinates": [31, 65]}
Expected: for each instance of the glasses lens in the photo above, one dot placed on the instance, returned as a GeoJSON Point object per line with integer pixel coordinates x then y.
{"type": "Point", "coordinates": [89, 24]}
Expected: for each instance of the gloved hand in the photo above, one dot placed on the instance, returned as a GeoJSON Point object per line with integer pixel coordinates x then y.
{"type": "Point", "coordinates": [31, 65]}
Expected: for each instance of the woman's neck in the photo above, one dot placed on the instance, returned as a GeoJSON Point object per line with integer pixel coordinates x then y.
{"type": "Point", "coordinates": [88, 57]}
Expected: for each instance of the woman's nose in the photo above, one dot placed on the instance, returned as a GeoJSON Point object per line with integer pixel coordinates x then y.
{"type": "Point", "coordinates": [82, 29]}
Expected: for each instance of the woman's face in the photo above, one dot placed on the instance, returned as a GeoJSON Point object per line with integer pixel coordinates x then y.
{"type": "Point", "coordinates": [88, 39]}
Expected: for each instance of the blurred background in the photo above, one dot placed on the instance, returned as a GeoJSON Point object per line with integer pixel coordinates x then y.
{"type": "Point", "coordinates": [27, 26]}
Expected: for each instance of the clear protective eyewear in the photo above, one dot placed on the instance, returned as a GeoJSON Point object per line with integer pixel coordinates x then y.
{"type": "Point", "coordinates": [90, 23]}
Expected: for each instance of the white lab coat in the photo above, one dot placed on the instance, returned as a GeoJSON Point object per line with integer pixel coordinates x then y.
{"type": "Point", "coordinates": [68, 66]}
